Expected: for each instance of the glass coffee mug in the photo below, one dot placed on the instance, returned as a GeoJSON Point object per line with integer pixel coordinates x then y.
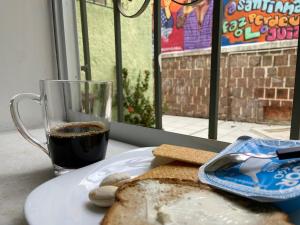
{"type": "Point", "coordinates": [77, 118]}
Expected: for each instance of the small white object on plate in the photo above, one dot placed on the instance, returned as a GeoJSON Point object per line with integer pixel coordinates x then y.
{"type": "Point", "coordinates": [103, 196]}
{"type": "Point", "coordinates": [114, 178]}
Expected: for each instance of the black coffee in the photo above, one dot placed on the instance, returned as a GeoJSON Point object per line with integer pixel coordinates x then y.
{"type": "Point", "coordinates": [78, 144]}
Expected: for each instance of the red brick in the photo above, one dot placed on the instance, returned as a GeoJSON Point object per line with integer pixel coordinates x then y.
{"type": "Point", "coordinates": [277, 82]}
{"type": "Point", "coordinates": [290, 51]}
{"type": "Point", "coordinates": [236, 92]}
{"type": "Point", "coordinates": [272, 71]}
{"type": "Point", "coordinates": [270, 93]}
{"type": "Point", "coordinates": [165, 65]}
{"type": "Point", "coordinates": [170, 73]}
{"type": "Point", "coordinates": [197, 74]}
{"type": "Point", "coordinates": [223, 83]}
{"type": "Point", "coordinates": [182, 73]}
{"type": "Point", "coordinates": [291, 93]}
{"type": "Point", "coordinates": [259, 92]}
{"type": "Point", "coordinates": [206, 73]}
{"type": "Point", "coordinates": [259, 72]}
{"type": "Point", "coordinates": [286, 71]}
{"type": "Point", "coordinates": [289, 82]}
{"type": "Point", "coordinates": [260, 82]}
{"type": "Point", "coordinates": [233, 61]}
{"type": "Point", "coordinates": [236, 72]}
{"type": "Point", "coordinates": [196, 82]}
{"type": "Point", "coordinates": [248, 92]}
{"type": "Point", "coordinates": [254, 60]}
{"type": "Point", "coordinates": [224, 92]}
{"type": "Point", "coordinates": [174, 65]}
{"type": "Point", "coordinates": [208, 61]}
{"type": "Point", "coordinates": [232, 82]}
{"type": "Point", "coordinates": [288, 104]}
{"type": "Point", "coordinates": [241, 82]}
{"type": "Point", "coordinates": [242, 61]}
{"type": "Point", "coordinates": [205, 82]}
{"type": "Point", "coordinates": [265, 102]}
{"type": "Point", "coordinates": [293, 60]}
{"type": "Point", "coordinates": [200, 62]}
{"type": "Point", "coordinates": [277, 113]}
{"type": "Point", "coordinates": [250, 83]}
{"type": "Point", "coordinates": [223, 62]}
{"type": "Point", "coordinates": [267, 60]}
{"type": "Point", "coordinates": [275, 103]}
{"type": "Point", "coordinates": [280, 60]}
{"type": "Point", "coordinates": [186, 63]}
{"type": "Point", "coordinates": [164, 73]}
{"type": "Point", "coordinates": [282, 93]}
{"type": "Point", "coordinates": [248, 72]}
{"type": "Point", "coordinates": [268, 82]}
{"type": "Point", "coordinates": [224, 73]}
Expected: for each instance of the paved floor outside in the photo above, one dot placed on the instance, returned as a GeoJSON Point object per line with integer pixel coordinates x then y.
{"type": "Point", "coordinates": [228, 131]}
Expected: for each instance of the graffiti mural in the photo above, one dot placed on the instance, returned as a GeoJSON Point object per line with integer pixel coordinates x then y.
{"type": "Point", "coordinates": [260, 20]}
{"type": "Point", "coordinates": [185, 27]}
{"type": "Point", "coordinates": [245, 21]}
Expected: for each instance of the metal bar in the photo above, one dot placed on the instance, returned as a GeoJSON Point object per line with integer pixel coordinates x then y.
{"type": "Point", "coordinates": [59, 39]}
{"type": "Point", "coordinates": [118, 55]}
{"type": "Point", "coordinates": [157, 76]}
{"type": "Point", "coordinates": [295, 121]}
{"type": "Point", "coordinates": [215, 69]}
{"type": "Point", "coordinates": [85, 40]}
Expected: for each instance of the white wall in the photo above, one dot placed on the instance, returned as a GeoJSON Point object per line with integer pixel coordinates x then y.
{"type": "Point", "coordinates": [27, 54]}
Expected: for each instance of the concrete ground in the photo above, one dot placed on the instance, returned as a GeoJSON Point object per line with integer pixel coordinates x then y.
{"type": "Point", "coordinates": [228, 131]}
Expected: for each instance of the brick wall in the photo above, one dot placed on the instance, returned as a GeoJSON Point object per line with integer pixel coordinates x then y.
{"type": "Point", "coordinates": [255, 86]}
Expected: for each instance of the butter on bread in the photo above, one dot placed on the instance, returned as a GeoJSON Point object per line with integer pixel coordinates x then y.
{"type": "Point", "coordinates": [173, 202]}
{"type": "Point", "coordinates": [184, 154]}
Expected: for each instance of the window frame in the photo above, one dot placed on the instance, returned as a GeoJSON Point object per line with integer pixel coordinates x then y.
{"type": "Point", "coordinates": [140, 135]}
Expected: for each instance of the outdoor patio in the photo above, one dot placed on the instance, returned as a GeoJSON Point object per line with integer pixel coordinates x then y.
{"type": "Point", "coordinates": [228, 131]}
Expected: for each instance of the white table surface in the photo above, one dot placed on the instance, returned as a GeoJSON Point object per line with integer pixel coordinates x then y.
{"type": "Point", "coordinates": [23, 167]}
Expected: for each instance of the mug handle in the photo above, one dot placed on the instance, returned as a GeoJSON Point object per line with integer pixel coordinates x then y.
{"type": "Point", "coordinates": [14, 111]}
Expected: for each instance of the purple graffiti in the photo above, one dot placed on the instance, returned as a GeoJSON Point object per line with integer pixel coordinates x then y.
{"type": "Point", "coordinates": [231, 8]}
{"type": "Point", "coordinates": [264, 29]}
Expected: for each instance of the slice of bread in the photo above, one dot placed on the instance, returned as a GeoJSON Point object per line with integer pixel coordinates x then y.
{"type": "Point", "coordinates": [173, 202]}
{"type": "Point", "coordinates": [183, 154]}
{"type": "Point", "coordinates": [175, 170]}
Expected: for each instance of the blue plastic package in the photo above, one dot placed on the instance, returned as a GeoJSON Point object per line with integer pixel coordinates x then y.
{"type": "Point", "coordinates": [265, 180]}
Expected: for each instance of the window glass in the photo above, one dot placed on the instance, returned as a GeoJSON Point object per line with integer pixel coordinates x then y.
{"type": "Point", "coordinates": [257, 87]}
{"type": "Point", "coordinates": [101, 42]}
{"type": "Point", "coordinates": [257, 68]}
{"type": "Point", "coordinates": [137, 57]}
{"type": "Point", "coordinates": [186, 38]}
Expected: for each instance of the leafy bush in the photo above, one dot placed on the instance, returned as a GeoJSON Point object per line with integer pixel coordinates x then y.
{"type": "Point", "coordinates": [137, 107]}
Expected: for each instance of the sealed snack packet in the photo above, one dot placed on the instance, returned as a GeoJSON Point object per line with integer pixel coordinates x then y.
{"type": "Point", "coordinates": [265, 180]}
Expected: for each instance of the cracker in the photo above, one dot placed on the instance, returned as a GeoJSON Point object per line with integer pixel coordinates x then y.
{"type": "Point", "coordinates": [176, 170]}
{"type": "Point", "coordinates": [190, 155]}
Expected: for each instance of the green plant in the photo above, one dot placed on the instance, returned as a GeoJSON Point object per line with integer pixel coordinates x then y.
{"type": "Point", "coordinates": [137, 107]}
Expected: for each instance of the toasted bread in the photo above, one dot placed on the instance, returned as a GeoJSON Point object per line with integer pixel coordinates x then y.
{"type": "Point", "coordinates": [175, 170]}
{"type": "Point", "coordinates": [183, 154]}
{"type": "Point", "coordinates": [175, 202]}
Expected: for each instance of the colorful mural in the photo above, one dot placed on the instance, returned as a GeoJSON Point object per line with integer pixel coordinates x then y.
{"type": "Point", "coordinates": [189, 27]}
{"type": "Point", "coordinates": [260, 20]}
{"type": "Point", "coordinates": [185, 27]}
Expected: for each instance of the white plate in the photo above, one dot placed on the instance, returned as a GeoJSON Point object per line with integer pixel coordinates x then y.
{"type": "Point", "coordinates": [64, 200]}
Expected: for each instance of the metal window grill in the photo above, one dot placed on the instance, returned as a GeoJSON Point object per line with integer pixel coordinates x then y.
{"type": "Point", "coordinates": [214, 75]}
